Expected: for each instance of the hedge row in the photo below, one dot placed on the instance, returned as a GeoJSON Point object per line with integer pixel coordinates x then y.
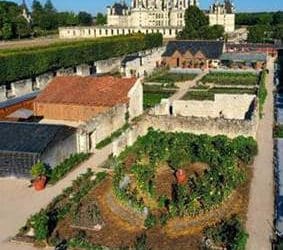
{"type": "Point", "coordinates": [25, 63]}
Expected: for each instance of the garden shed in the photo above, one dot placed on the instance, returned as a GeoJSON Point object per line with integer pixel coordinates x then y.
{"type": "Point", "coordinates": [24, 144]}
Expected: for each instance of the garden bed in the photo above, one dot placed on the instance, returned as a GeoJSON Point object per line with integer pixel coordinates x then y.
{"type": "Point", "coordinates": [164, 76]}
{"type": "Point", "coordinates": [219, 78]}
{"type": "Point", "coordinates": [153, 98]}
{"type": "Point", "coordinates": [142, 205]}
{"type": "Point", "coordinates": [209, 94]}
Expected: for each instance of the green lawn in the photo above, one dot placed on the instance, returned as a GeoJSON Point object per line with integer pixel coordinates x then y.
{"type": "Point", "coordinates": [231, 78]}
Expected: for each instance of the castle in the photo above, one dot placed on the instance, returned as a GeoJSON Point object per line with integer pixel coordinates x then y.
{"type": "Point", "coordinates": [151, 16]}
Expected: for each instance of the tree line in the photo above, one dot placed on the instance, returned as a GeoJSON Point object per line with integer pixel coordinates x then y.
{"type": "Point", "coordinates": [42, 19]}
{"type": "Point", "coordinates": [262, 27]}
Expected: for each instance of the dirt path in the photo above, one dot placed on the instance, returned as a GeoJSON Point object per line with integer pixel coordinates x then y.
{"type": "Point", "coordinates": [261, 205]}
{"type": "Point", "coordinates": [18, 202]}
{"type": "Point", "coordinates": [185, 86]}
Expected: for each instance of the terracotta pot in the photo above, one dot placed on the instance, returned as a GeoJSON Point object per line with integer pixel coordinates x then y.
{"type": "Point", "coordinates": [40, 183]}
{"type": "Point", "coordinates": [181, 176]}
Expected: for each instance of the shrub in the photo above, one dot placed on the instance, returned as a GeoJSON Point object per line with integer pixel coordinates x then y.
{"type": "Point", "coordinates": [245, 149]}
{"type": "Point", "coordinates": [278, 131]}
{"type": "Point", "coordinates": [141, 243]}
{"type": "Point", "coordinates": [262, 92]}
{"type": "Point", "coordinates": [39, 223]}
{"type": "Point", "coordinates": [66, 166]}
{"type": "Point", "coordinates": [150, 221]}
{"type": "Point", "coordinates": [38, 169]}
{"type": "Point", "coordinates": [231, 233]}
{"type": "Point", "coordinates": [25, 63]}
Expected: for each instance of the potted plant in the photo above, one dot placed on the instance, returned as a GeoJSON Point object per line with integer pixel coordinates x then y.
{"type": "Point", "coordinates": [39, 172]}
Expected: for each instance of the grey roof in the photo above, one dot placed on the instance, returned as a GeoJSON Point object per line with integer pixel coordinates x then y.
{"type": "Point", "coordinates": [211, 49]}
{"type": "Point", "coordinates": [30, 137]}
{"type": "Point", "coordinates": [279, 213]}
{"type": "Point", "coordinates": [244, 57]}
{"type": "Point", "coordinates": [19, 99]}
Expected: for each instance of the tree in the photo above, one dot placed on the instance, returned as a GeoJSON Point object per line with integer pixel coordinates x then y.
{"type": "Point", "coordinates": [278, 18]}
{"type": "Point", "coordinates": [195, 18]}
{"type": "Point", "coordinates": [257, 34]}
{"type": "Point", "coordinates": [85, 18]}
{"type": "Point", "coordinates": [197, 26]}
{"type": "Point", "coordinates": [48, 7]}
{"type": "Point", "coordinates": [7, 32]}
{"type": "Point", "coordinates": [101, 19]}
{"type": "Point", "coordinates": [67, 19]}
{"type": "Point", "coordinates": [22, 27]}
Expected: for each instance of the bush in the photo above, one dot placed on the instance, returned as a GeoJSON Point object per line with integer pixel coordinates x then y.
{"type": "Point", "coordinates": [25, 63]}
{"type": "Point", "coordinates": [39, 223]}
{"type": "Point", "coordinates": [278, 131]}
{"type": "Point", "coordinates": [150, 221]}
{"type": "Point", "coordinates": [245, 149]}
{"type": "Point", "coordinates": [231, 233]}
{"type": "Point", "coordinates": [38, 169]}
{"type": "Point", "coordinates": [66, 166]}
{"type": "Point", "coordinates": [262, 92]}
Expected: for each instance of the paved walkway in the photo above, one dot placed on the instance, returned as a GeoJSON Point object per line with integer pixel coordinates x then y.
{"type": "Point", "coordinates": [185, 86]}
{"type": "Point", "coordinates": [18, 202]}
{"type": "Point", "coordinates": [261, 204]}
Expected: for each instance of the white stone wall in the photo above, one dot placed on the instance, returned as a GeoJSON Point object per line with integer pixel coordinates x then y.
{"type": "Point", "coordinates": [136, 100]}
{"type": "Point", "coordinates": [42, 81]}
{"type": "Point", "coordinates": [102, 126]}
{"type": "Point", "coordinates": [65, 72]}
{"type": "Point", "coordinates": [107, 66]}
{"type": "Point", "coordinates": [225, 106]}
{"type": "Point", "coordinates": [3, 93]}
{"type": "Point", "coordinates": [83, 70]}
{"type": "Point", "coordinates": [22, 87]}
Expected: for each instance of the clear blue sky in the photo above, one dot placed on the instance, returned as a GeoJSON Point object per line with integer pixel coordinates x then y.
{"type": "Point", "coordinates": [95, 6]}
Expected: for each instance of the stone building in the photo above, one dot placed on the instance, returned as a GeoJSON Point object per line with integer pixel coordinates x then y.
{"type": "Point", "coordinates": [193, 54]}
{"type": "Point", "coordinates": [150, 16]}
{"type": "Point", "coordinates": [24, 144]}
{"type": "Point", "coordinates": [223, 14]}
{"type": "Point", "coordinates": [79, 99]}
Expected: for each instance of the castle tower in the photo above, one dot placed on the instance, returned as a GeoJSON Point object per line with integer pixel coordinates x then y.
{"type": "Point", "coordinates": [194, 3]}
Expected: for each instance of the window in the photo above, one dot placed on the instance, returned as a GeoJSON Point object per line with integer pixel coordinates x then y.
{"type": "Point", "coordinates": [178, 62]}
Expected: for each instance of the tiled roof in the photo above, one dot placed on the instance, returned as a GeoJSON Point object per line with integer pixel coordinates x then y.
{"type": "Point", "coordinates": [211, 49]}
{"type": "Point", "coordinates": [30, 137]}
{"type": "Point", "coordinates": [104, 91]}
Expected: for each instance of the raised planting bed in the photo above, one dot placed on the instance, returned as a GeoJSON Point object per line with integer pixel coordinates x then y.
{"type": "Point", "coordinates": [209, 94]}
{"type": "Point", "coordinates": [232, 78]}
{"type": "Point", "coordinates": [153, 97]}
{"type": "Point", "coordinates": [164, 76]}
{"type": "Point", "coordinates": [167, 191]}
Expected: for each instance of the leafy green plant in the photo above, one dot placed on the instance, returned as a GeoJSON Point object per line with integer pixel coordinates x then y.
{"type": "Point", "coordinates": [38, 169]}
{"type": "Point", "coordinates": [66, 166]}
{"type": "Point", "coordinates": [231, 233]}
{"type": "Point", "coordinates": [262, 92]}
{"type": "Point", "coordinates": [112, 137]}
{"type": "Point", "coordinates": [141, 243]}
{"type": "Point", "coordinates": [150, 221]}
{"type": "Point", "coordinates": [39, 223]}
{"type": "Point", "coordinates": [278, 131]}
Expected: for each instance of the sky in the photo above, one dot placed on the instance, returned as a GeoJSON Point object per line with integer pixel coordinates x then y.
{"type": "Point", "coordinates": [94, 6]}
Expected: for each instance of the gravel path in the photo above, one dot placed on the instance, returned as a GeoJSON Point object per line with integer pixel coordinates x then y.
{"type": "Point", "coordinates": [185, 86]}
{"type": "Point", "coordinates": [261, 204]}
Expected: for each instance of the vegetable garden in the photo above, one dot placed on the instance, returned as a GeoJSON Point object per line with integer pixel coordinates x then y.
{"type": "Point", "coordinates": [145, 204]}
{"type": "Point", "coordinates": [219, 78]}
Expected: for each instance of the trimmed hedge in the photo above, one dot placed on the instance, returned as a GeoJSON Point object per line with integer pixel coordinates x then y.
{"type": "Point", "coordinates": [25, 63]}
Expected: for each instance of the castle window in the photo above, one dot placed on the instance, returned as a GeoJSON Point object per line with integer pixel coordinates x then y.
{"type": "Point", "coordinates": [112, 32]}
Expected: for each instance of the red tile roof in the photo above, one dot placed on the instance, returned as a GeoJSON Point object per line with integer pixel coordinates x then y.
{"type": "Point", "coordinates": [88, 91]}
